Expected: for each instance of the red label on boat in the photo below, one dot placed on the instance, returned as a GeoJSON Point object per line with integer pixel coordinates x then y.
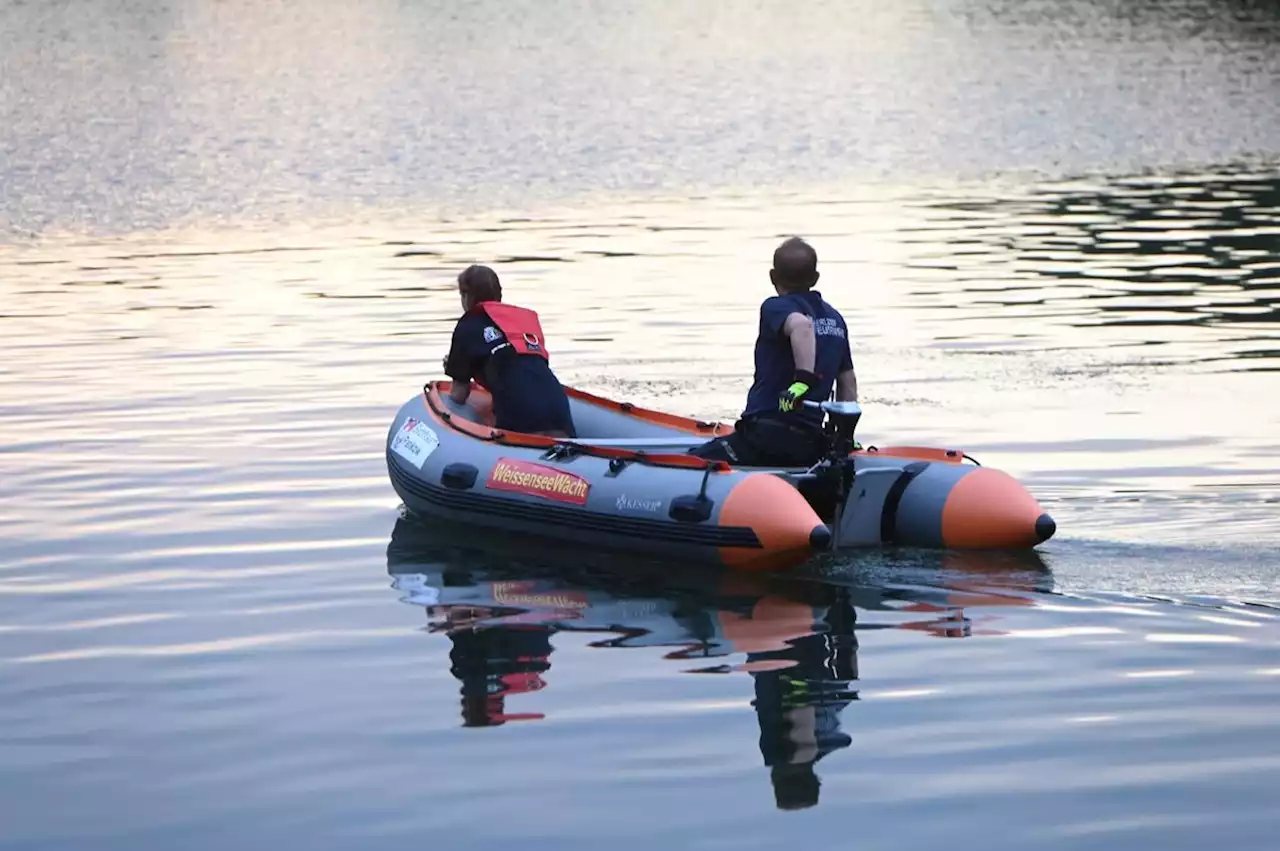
{"type": "Point", "coordinates": [525, 594]}
{"type": "Point", "coordinates": [538, 480]}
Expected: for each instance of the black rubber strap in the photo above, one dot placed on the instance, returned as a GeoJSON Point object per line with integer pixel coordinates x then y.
{"type": "Point", "coordinates": [889, 512]}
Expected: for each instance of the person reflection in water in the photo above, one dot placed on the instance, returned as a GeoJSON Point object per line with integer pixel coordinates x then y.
{"type": "Point", "coordinates": [494, 661]}
{"type": "Point", "coordinates": [801, 655]}
{"type": "Point", "coordinates": [802, 660]}
{"type": "Point", "coordinates": [799, 707]}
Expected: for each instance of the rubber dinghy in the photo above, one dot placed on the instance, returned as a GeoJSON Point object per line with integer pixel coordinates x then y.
{"type": "Point", "coordinates": [626, 483]}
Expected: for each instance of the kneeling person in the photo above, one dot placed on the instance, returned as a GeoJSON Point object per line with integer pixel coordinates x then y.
{"type": "Point", "coordinates": [801, 351]}
{"type": "Point", "coordinates": [502, 347]}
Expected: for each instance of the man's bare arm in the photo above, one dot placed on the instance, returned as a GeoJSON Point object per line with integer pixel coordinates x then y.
{"type": "Point", "coordinates": [804, 345]}
{"type": "Point", "coordinates": [847, 386]}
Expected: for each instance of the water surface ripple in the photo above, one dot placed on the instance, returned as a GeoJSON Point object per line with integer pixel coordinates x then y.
{"type": "Point", "coordinates": [228, 238]}
{"type": "Point", "coordinates": [199, 644]}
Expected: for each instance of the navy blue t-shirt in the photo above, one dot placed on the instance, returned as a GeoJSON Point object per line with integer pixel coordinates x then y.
{"type": "Point", "coordinates": [775, 366]}
{"type": "Point", "coordinates": [527, 396]}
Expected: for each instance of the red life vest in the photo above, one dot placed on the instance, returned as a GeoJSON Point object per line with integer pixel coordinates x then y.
{"type": "Point", "coordinates": [519, 324]}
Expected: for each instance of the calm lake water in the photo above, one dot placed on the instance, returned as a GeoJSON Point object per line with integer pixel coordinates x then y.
{"type": "Point", "coordinates": [228, 237]}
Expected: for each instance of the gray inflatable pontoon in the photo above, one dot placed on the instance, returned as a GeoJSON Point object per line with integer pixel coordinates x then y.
{"type": "Point", "coordinates": [626, 483]}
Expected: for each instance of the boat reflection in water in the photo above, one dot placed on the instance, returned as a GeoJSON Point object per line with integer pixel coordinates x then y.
{"type": "Point", "coordinates": [500, 604]}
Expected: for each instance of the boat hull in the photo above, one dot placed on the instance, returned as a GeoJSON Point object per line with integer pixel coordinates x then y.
{"type": "Point", "coordinates": [626, 483]}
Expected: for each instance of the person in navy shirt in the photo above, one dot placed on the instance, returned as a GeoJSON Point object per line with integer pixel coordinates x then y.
{"type": "Point", "coordinates": [501, 346]}
{"type": "Point", "coordinates": [802, 352]}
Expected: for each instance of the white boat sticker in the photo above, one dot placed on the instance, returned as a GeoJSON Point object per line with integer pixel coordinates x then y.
{"type": "Point", "coordinates": [415, 442]}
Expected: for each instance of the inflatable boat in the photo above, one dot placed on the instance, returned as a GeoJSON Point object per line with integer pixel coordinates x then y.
{"type": "Point", "coordinates": [627, 483]}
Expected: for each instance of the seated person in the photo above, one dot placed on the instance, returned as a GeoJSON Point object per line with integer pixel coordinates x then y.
{"type": "Point", "coordinates": [502, 347]}
{"type": "Point", "coordinates": [802, 350]}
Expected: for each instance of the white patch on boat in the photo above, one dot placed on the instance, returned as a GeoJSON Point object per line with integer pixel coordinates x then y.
{"type": "Point", "coordinates": [415, 442]}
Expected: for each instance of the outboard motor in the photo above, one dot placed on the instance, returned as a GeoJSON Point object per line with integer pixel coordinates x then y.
{"type": "Point", "coordinates": [837, 468]}
{"type": "Point", "coordinates": [842, 421]}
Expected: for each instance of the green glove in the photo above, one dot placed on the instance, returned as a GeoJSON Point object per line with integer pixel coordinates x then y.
{"type": "Point", "coordinates": [801, 382]}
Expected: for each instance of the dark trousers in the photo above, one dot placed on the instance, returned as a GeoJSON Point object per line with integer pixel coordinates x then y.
{"type": "Point", "coordinates": [768, 440]}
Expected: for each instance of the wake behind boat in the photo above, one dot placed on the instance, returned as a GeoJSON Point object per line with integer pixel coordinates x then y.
{"type": "Point", "coordinates": [627, 483]}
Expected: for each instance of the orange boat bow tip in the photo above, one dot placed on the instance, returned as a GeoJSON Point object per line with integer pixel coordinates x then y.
{"type": "Point", "coordinates": [786, 526]}
{"type": "Point", "coordinates": [988, 508]}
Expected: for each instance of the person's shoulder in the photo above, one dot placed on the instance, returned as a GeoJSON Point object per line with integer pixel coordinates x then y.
{"type": "Point", "coordinates": [788, 303]}
{"type": "Point", "coordinates": [830, 308]}
{"type": "Point", "coordinates": [474, 322]}
{"type": "Point", "coordinates": [468, 334]}
{"type": "Point", "coordinates": [774, 311]}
